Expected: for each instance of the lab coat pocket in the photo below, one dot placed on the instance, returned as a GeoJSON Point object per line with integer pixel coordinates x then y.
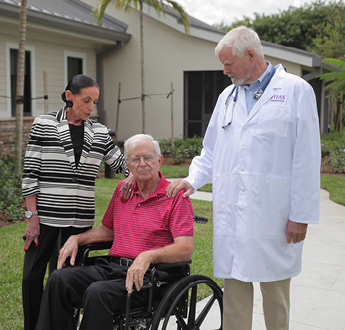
{"type": "Point", "coordinates": [273, 121]}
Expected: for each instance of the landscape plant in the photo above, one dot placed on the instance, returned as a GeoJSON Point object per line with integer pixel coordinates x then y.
{"type": "Point", "coordinates": [10, 190]}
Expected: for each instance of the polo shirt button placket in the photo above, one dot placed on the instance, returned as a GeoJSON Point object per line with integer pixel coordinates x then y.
{"type": "Point", "coordinates": [74, 179]}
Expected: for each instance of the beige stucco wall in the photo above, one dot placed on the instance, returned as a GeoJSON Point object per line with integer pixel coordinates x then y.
{"type": "Point", "coordinates": [289, 66]}
{"type": "Point", "coordinates": [168, 53]}
{"type": "Point", "coordinates": [48, 53]}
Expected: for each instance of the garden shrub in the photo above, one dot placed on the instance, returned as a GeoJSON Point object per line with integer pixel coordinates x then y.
{"type": "Point", "coordinates": [337, 159]}
{"type": "Point", "coordinates": [331, 141]}
{"type": "Point", "coordinates": [10, 190]}
{"type": "Point", "coordinates": [182, 149]}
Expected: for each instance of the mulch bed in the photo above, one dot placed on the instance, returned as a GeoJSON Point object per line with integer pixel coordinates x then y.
{"type": "Point", "coordinates": [168, 160]}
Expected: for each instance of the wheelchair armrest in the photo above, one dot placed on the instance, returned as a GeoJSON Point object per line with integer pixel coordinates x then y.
{"type": "Point", "coordinates": [85, 249]}
{"type": "Point", "coordinates": [167, 266]}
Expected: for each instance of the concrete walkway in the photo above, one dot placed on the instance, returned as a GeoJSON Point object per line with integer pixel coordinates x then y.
{"type": "Point", "coordinates": [318, 293]}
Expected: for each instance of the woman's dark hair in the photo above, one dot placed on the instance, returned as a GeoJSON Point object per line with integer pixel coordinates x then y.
{"type": "Point", "coordinates": [77, 83]}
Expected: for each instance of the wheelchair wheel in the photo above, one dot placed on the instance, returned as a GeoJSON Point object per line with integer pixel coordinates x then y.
{"type": "Point", "coordinates": [180, 304]}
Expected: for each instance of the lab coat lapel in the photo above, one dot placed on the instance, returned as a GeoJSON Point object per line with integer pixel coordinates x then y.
{"type": "Point", "coordinates": [65, 136]}
{"type": "Point", "coordinates": [270, 90]}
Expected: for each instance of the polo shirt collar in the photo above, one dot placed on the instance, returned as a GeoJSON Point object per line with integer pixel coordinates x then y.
{"type": "Point", "coordinates": [163, 184]}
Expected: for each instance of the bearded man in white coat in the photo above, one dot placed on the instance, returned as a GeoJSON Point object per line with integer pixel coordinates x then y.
{"type": "Point", "coordinates": [262, 152]}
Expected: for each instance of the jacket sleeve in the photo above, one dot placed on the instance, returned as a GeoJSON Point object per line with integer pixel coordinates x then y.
{"type": "Point", "coordinates": [33, 160]}
{"type": "Point", "coordinates": [114, 157]}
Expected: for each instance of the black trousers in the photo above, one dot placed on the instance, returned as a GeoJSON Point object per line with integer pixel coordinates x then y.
{"type": "Point", "coordinates": [99, 290]}
{"type": "Point", "coordinates": [35, 265]}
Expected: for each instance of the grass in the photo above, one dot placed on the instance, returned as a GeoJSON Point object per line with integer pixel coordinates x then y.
{"type": "Point", "coordinates": [12, 254]}
{"type": "Point", "coordinates": [335, 185]}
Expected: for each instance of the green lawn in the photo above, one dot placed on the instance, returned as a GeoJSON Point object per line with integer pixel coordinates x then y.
{"type": "Point", "coordinates": [12, 254]}
{"type": "Point", "coordinates": [335, 185]}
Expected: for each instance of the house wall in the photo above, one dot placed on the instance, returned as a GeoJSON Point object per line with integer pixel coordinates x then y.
{"type": "Point", "coordinates": [289, 66]}
{"type": "Point", "coordinates": [7, 135]}
{"type": "Point", "coordinates": [48, 53]}
{"type": "Point", "coordinates": [168, 53]}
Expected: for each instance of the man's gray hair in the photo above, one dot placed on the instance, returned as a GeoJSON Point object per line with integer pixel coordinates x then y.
{"type": "Point", "coordinates": [240, 39]}
{"type": "Point", "coordinates": [139, 139]}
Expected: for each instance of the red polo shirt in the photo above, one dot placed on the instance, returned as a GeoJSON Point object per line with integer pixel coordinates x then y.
{"type": "Point", "coordinates": [140, 225]}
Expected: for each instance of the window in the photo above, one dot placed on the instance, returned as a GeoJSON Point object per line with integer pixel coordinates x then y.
{"type": "Point", "coordinates": [27, 81]}
{"type": "Point", "coordinates": [201, 91]}
{"type": "Point", "coordinates": [74, 64]}
{"type": "Point", "coordinates": [74, 67]}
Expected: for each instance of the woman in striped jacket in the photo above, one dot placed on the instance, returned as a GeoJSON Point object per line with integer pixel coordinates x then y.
{"type": "Point", "coordinates": [62, 159]}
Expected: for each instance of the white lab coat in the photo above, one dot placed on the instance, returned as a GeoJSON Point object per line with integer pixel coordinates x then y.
{"type": "Point", "coordinates": [265, 169]}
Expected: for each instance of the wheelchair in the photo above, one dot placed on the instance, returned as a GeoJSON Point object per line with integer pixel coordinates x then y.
{"type": "Point", "coordinates": [172, 302]}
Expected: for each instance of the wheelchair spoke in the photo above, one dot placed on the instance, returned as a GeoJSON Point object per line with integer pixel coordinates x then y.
{"type": "Point", "coordinates": [205, 311]}
{"type": "Point", "coordinates": [192, 306]}
{"type": "Point", "coordinates": [180, 303]}
{"type": "Point", "coordinates": [180, 321]}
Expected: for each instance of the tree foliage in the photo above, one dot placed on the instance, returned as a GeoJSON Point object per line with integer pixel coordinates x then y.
{"type": "Point", "coordinates": [299, 27]}
{"type": "Point", "coordinates": [337, 78]}
{"type": "Point", "coordinates": [329, 41]}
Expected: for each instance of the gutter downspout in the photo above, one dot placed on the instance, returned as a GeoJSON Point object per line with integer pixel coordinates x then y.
{"type": "Point", "coordinates": [100, 79]}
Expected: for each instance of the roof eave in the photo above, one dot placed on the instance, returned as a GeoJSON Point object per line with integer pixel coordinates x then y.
{"type": "Point", "coordinates": [66, 24]}
{"type": "Point", "coordinates": [292, 55]}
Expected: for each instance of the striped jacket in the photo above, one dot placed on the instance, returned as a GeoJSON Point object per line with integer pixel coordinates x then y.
{"type": "Point", "coordinates": [66, 193]}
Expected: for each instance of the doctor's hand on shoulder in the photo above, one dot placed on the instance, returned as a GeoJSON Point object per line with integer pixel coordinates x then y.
{"type": "Point", "coordinates": [177, 185]}
{"type": "Point", "coordinates": [296, 232]}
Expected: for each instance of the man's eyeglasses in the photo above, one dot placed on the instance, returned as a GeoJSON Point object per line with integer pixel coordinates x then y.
{"type": "Point", "coordinates": [146, 158]}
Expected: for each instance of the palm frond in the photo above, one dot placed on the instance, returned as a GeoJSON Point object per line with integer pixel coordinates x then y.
{"type": "Point", "coordinates": [337, 62]}
{"type": "Point", "coordinates": [98, 11]}
{"type": "Point", "coordinates": [158, 5]}
{"type": "Point", "coordinates": [182, 13]}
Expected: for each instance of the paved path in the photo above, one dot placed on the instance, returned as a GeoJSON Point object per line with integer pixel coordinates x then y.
{"type": "Point", "coordinates": [318, 293]}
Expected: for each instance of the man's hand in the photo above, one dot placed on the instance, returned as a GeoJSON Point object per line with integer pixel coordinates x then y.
{"type": "Point", "coordinates": [296, 232]}
{"type": "Point", "coordinates": [135, 273]}
{"type": "Point", "coordinates": [177, 185]}
{"type": "Point", "coordinates": [127, 186]}
{"type": "Point", "coordinates": [32, 232]}
{"type": "Point", "coordinates": [70, 249]}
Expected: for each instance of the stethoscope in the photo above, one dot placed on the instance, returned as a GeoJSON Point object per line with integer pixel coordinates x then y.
{"type": "Point", "coordinates": [235, 89]}
{"type": "Point", "coordinates": [234, 99]}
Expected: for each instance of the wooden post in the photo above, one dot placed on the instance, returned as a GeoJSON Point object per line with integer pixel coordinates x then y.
{"type": "Point", "coordinates": [118, 112]}
{"type": "Point", "coordinates": [172, 113]}
{"type": "Point", "coordinates": [45, 84]}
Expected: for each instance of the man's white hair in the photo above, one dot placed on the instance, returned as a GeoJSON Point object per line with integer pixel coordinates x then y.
{"type": "Point", "coordinates": [240, 39]}
{"type": "Point", "coordinates": [137, 139]}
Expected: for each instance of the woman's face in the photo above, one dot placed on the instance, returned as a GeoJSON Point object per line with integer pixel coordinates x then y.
{"type": "Point", "coordinates": [83, 104]}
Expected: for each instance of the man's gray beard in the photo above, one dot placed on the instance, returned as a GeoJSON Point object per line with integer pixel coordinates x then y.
{"type": "Point", "coordinates": [238, 81]}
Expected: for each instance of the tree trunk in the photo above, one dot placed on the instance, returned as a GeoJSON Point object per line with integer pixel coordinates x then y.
{"type": "Point", "coordinates": [20, 89]}
{"type": "Point", "coordinates": [341, 99]}
{"type": "Point", "coordinates": [142, 69]}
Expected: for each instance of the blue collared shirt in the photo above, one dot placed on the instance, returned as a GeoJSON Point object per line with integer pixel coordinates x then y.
{"type": "Point", "coordinates": [256, 86]}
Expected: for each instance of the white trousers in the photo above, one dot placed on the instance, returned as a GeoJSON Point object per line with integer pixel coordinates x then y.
{"type": "Point", "coordinates": [238, 304]}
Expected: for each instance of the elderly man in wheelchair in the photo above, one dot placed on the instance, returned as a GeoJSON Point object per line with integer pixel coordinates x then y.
{"type": "Point", "coordinates": [147, 230]}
